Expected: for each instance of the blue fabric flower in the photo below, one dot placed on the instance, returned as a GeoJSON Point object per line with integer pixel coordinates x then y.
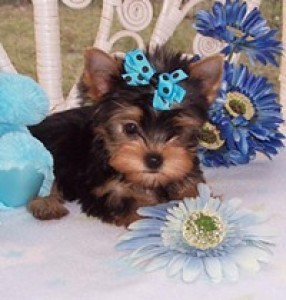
{"type": "Point", "coordinates": [246, 116]}
{"type": "Point", "coordinates": [223, 157]}
{"type": "Point", "coordinates": [241, 31]}
{"type": "Point", "coordinates": [197, 236]}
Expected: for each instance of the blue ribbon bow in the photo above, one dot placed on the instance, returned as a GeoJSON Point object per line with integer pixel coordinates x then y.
{"type": "Point", "coordinates": [140, 72]}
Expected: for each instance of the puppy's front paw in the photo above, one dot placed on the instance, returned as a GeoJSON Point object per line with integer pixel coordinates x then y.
{"type": "Point", "coordinates": [47, 208]}
{"type": "Point", "coordinates": [126, 220]}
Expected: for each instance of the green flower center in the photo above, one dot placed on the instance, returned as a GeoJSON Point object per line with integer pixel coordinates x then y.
{"type": "Point", "coordinates": [238, 104]}
{"type": "Point", "coordinates": [203, 230]}
{"type": "Point", "coordinates": [205, 223]}
{"type": "Point", "coordinates": [210, 137]}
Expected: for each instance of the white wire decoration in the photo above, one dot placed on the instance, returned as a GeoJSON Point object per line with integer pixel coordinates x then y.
{"type": "Point", "coordinates": [77, 4]}
{"type": "Point", "coordinates": [5, 63]}
{"type": "Point", "coordinates": [134, 16]}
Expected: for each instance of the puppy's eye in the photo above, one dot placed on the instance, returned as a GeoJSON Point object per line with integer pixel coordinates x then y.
{"type": "Point", "coordinates": [130, 128]}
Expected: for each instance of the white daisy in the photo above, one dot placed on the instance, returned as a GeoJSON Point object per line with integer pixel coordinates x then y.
{"type": "Point", "coordinates": [197, 236]}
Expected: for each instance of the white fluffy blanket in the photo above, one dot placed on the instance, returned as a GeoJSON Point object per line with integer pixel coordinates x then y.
{"type": "Point", "coordinates": [75, 259]}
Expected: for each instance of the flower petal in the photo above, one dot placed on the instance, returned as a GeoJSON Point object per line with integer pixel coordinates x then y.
{"type": "Point", "coordinates": [176, 264]}
{"type": "Point", "coordinates": [146, 224]}
{"type": "Point", "coordinates": [140, 233]}
{"type": "Point", "coordinates": [139, 242]}
{"type": "Point", "coordinates": [213, 268]}
{"type": "Point", "coordinates": [158, 263]}
{"type": "Point", "coordinates": [230, 270]}
{"type": "Point", "coordinates": [204, 191]}
{"type": "Point", "coordinates": [152, 212]}
{"type": "Point", "coordinates": [190, 204]}
{"type": "Point", "coordinates": [147, 256]}
{"type": "Point", "coordinates": [246, 259]}
{"type": "Point", "coordinates": [213, 204]}
{"type": "Point", "coordinates": [192, 269]}
{"type": "Point", "coordinates": [204, 196]}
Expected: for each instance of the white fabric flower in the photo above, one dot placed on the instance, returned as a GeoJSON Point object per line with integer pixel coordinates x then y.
{"type": "Point", "coordinates": [197, 236]}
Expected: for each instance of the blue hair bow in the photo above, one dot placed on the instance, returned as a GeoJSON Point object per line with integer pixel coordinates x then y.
{"type": "Point", "coordinates": [140, 72]}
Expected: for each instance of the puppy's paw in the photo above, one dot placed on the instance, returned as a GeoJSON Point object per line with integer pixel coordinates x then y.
{"type": "Point", "coordinates": [47, 208]}
{"type": "Point", "coordinates": [127, 220]}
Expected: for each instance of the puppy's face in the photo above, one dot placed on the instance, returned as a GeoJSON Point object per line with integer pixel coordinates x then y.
{"type": "Point", "coordinates": [149, 147]}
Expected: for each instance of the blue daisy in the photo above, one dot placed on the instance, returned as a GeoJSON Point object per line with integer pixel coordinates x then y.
{"type": "Point", "coordinates": [240, 30]}
{"type": "Point", "coordinates": [213, 150]}
{"type": "Point", "coordinates": [224, 157]}
{"type": "Point", "coordinates": [197, 236]}
{"type": "Point", "coordinates": [246, 116]}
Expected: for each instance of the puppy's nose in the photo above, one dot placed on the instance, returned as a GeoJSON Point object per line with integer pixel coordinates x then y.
{"type": "Point", "coordinates": [153, 160]}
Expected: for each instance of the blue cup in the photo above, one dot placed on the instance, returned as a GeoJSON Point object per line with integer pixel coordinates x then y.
{"type": "Point", "coordinates": [19, 186]}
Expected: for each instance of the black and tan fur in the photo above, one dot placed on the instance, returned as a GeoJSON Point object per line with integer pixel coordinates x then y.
{"type": "Point", "coordinates": [119, 153]}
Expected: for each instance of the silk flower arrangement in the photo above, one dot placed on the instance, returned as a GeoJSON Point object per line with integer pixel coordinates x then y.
{"type": "Point", "coordinates": [205, 236]}
{"type": "Point", "coordinates": [246, 115]}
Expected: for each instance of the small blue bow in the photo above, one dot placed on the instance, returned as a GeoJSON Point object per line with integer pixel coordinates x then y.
{"type": "Point", "coordinates": [140, 72]}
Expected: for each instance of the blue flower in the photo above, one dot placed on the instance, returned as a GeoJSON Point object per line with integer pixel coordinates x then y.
{"type": "Point", "coordinates": [269, 146]}
{"type": "Point", "coordinates": [223, 157]}
{"type": "Point", "coordinates": [246, 116]}
{"type": "Point", "coordinates": [213, 150]}
{"type": "Point", "coordinates": [240, 30]}
{"type": "Point", "coordinates": [197, 236]}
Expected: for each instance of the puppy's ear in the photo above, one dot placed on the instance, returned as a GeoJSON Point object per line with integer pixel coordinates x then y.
{"type": "Point", "coordinates": [209, 72]}
{"type": "Point", "coordinates": [100, 72]}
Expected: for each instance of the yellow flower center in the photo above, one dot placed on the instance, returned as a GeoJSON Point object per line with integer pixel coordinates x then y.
{"type": "Point", "coordinates": [238, 104]}
{"type": "Point", "coordinates": [203, 230]}
{"type": "Point", "coordinates": [210, 137]}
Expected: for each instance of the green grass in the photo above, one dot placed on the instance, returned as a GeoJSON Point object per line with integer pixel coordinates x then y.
{"type": "Point", "coordinates": [78, 31]}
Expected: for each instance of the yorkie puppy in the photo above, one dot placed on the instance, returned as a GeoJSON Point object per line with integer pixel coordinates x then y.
{"type": "Point", "coordinates": [136, 145]}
